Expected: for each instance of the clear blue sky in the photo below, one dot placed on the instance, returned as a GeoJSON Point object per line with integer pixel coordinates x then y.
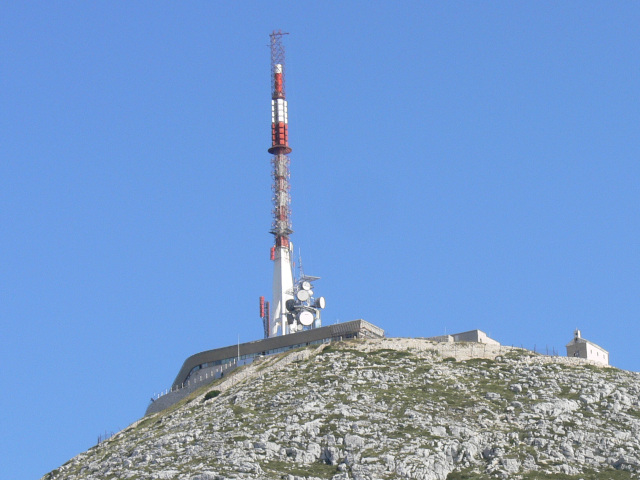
{"type": "Point", "coordinates": [455, 165]}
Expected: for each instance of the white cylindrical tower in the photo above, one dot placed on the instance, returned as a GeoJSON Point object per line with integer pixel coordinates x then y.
{"type": "Point", "coordinates": [282, 291]}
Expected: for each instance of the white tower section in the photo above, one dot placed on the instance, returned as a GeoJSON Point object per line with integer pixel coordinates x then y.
{"type": "Point", "coordinates": [282, 291]}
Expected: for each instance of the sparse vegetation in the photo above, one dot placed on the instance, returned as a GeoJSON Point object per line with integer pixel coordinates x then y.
{"type": "Point", "coordinates": [281, 468]}
{"type": "Point", "coordinates": [211, 394]}
{"type": "Point", "coordinates": [467, 474]}
{"type": "Point", "coordinates": [398, 402]}
{"type": "Point", "coordinates": [634, 413]}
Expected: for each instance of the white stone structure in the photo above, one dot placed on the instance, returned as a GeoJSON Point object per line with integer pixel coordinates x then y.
{"type": "Point", "coordinates": [581, 348]}
{"type": "Point", "coordinates": [475, 336]}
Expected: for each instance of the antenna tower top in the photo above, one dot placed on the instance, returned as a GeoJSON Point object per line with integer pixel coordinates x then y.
{"type": "Point", "coordinates": [277, 63]}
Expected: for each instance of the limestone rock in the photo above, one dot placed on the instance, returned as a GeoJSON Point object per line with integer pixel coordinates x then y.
{"type": "Point", "coordinates": [390, 408]}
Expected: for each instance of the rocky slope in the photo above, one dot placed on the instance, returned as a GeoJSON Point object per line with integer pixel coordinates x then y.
{"type": "Point", "coordinates": [386, 409]}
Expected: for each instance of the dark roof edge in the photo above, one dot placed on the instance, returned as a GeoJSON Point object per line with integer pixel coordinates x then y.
{"type": "Point", "coordinates": [256, 346]}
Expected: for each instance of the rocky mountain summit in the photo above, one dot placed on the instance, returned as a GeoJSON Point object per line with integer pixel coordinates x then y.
{"type": "Point", "coordinates": [388, 409]}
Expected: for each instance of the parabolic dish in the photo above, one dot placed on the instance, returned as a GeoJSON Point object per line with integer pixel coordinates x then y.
{"type": "Point", "coordinates": [306, 318]}
{"type": "Point", "coordinates": [302, 295]}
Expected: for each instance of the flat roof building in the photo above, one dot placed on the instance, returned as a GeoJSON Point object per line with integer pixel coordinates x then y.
{"type": "Point", "coordinates": [476, 336]}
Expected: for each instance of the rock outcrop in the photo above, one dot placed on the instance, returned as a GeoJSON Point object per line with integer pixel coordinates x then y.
{"type": "Point", "coordinates": [387, 409]}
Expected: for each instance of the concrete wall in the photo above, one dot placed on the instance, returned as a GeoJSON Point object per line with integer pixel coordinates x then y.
{"type": "Point", "coordinates": [477, 336]}
{"type": "Point", "coordinates": [264, 365]}
{"type": "Point", "coordinates": [339, 331]}
{"type": "Point", "coordinates": [466, 351]}
{"type": "Point", "coordinates": [189, 380]}
{"type": "Point", "coordinates": [202, 378]}
{"type": "Point", "coordinates": [484, 338]}
{"type": "Point", "coordinates": [474, 336]}
{"type": "Point", "coordinates": [442, 339]}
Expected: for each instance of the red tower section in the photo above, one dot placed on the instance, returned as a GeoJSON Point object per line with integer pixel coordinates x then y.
{"type": "Point", "coordinates": [281, 225]}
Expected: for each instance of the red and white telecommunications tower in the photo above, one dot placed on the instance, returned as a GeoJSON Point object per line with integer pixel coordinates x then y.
{"type": "Point", "coordinates": [289, 305]}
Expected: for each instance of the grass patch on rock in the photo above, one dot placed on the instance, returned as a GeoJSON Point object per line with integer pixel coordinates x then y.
{"type": "Point", "coordinates": [282, 468]}
{"type": "Point", "coordinates": [211, 394]}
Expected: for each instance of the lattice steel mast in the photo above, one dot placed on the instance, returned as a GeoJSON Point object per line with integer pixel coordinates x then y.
{"type": "Point", "coordinates": [294, 307]}
{"type": "Point", "coordinates": [281, 253]}
{"type": "Point", "coordinates": [281, 226]}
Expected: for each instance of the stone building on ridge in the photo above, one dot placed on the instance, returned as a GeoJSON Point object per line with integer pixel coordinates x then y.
{"type": "Point", "coordinates": [582, 348]}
